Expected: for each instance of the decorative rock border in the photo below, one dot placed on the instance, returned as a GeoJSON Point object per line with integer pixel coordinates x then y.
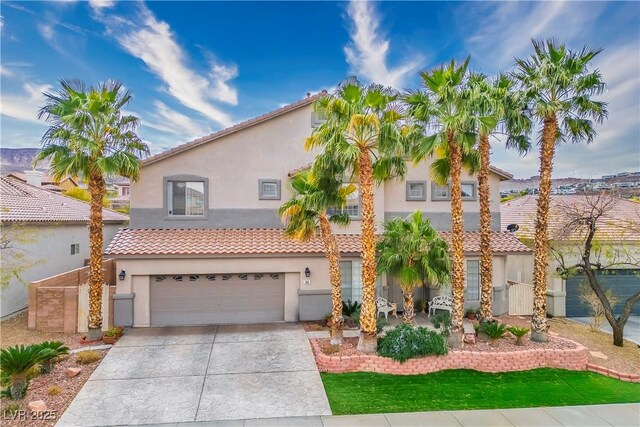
{"type": "Point", "coordinates": [633, 378]}
{"type": "Point", "coordinates": [574, 359]}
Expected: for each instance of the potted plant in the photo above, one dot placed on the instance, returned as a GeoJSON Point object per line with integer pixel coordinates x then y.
{"type": "Point", "coordinates": [470, 314]}
{"type": "Point", "coordinates": [120, 330]}
{"type": "Point", "coordinates": [519, 333]}
{"type": "Point", "coordinates": [110, 336]}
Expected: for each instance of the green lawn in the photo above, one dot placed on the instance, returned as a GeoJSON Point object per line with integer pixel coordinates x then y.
{"type": "Point", "coordinates": [368, 393]}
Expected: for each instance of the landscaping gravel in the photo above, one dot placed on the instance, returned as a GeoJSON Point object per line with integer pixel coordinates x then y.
{"type": "Point", "coordinates": [14, 331]}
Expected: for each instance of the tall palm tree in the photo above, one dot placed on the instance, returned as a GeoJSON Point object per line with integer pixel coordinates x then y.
{"type": "Point", "coordinates": [306, 213]}
{"type": "Point", "coordinates": [443, 108]}
{"type": "Point", "coordinates": [364, 135]}
{"type": "Point", "coordinates": [560, 85]}
{"type": "Point", "coordinates": [412, 252]}
{"type": "Point", "coordinates": [89, 137]}
{"type": "Point", "coordinates": [497, 108]}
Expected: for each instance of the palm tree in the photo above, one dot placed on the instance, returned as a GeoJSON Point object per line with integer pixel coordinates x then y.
{"type": "Point", "coordinates": [413, 252]}
{"type": "Point", "coordinates": [363, 134]}
{"type": "Point", "coordinates": [89, 137]}
{"type": "Point", "coordinates": [444, 108]}
{"type": "Point", "coordinates": [559, 86]}
{"type": "Point", "coordinates": [15, 363]}
{"type": "Point", "coordinates": [306, 213]}
{"type": "Point", "coordinates": [497, 107]}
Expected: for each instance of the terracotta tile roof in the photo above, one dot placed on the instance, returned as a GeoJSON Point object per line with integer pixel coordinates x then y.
{"type": "Point", "coordinates": [254, 241]}
{"type": "Point", "coordinates": [502, 242]}
{"type": "Point", "coordinates": [21, 202]}
{"type": "Point", "coordinates": [235, 128]}
{"type": "Point", "coordinates": [46, 179]}
{"type": "Point", "coordinates": [613, 225]}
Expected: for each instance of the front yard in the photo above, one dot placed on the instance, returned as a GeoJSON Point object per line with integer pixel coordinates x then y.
{"type": "Point", "coordinates": [367, 393]}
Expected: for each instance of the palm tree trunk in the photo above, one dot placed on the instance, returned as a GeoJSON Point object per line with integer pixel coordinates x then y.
{"type": "Point", "coordinates": [457, 238]}
{"type": "Point", "coordinates": [333, 256]}
{"type": "Point", "coordinates": [408, 315]}
{"type": "Point", "coordinates": [539, 324]}
{"type": "Point", "coordinates": [486, 261]}
{"type": "Point", "coordinates": [96, 275]}
{"type": "Point", "coordinates": [368, 339]}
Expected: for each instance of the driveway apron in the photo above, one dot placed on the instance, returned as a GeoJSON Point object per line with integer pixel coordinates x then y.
{"type": "Point", "coordinates": [173, 375]}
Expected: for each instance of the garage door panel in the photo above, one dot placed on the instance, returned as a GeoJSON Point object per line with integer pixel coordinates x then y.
{"type": "Point", "coordinates": [623, 284]}
{"type": "Point", "coordinates": [201, 301]}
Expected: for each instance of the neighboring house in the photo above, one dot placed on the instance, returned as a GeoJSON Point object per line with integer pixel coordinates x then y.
{"type": "Point", "coordinates": [48, 230]}
{"type": "Point", "coordinates": [617, 241]}
{"type": "Point", "coordinates": [122, 191]}
{"type": "Point", "coordinates": [206, 244]}
{"type": "Point", "coordinates": [47, 182]}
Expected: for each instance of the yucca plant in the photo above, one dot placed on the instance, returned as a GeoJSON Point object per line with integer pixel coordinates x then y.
{"type": "Point", "coordinates": [15, 363]}
{"type": "Point", "coordinates": [349, 308]}
{"type": "Point", "coordinates": [57, 349]}
{"type": "Point", "coordinates": [519, 333]}
{"type": "Point", "coordinates": [494, 330]}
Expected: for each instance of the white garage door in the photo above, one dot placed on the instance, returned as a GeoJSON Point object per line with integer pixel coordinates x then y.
{"type": "Point", "coordinates": [217, 299]}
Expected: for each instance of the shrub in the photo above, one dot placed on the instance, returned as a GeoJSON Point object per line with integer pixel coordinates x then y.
{"type": "Point", "coordinates": [596, 309]}
{"type": "Point", "coordinates": [519, 333]}
{"type": "Point", "coordinates": [380, 324]}
{"type": "Point", "coordinates": [404, 342]}
{"type": "Point", "coordinates": [112, 332]}
{"type": "Point", "coordinates": [494, 330]}
{"type": "Point", "coordinates": [442, 321]}
{"type": "Point", "coordinates": [330, 349]}
{"type": "Point", "coordinates": [57, 348]}
{"type": "Point", "coordinates": [356, 316]}
{"type": "Point", "coordinates": [15, 363]}
{"type": "Point", "coordinates": [10, 410]}
{"type": "Point", "coordinates": [87, 356]}
{"type": "Point", "coordinates": [349, 308]}
{"type": "Point", "coordinates": [54, 390]}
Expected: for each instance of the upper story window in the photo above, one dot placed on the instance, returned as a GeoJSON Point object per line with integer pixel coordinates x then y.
{"type": "Point", "coordinates": [75, 248]}
{"type": "Point", "coordinates": [352, 207]}
{"type": "Point", "coordinates": [317, 118]}
{"type": "Point", "coordinates": [443, 192]}
{"type": "Point", "coordinates": [416, 190]}
{"type": "Point", "coordinates": [269, 189]}
{"type": "Point", "coordinates": [185, 198]}
{"type": "Point", "coordinates": [125, 191]}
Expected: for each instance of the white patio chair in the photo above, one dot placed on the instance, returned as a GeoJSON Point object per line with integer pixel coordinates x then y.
{"type": "Point", "coordinates": [441, 302]}
{"type": "Point", "coordinates": [386, 307]}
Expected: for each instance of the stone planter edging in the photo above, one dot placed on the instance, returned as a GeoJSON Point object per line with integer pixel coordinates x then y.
{"type": "Point", "coordinates": [573, 359]}
{"type": "Point", "coordinates": [633, 378]}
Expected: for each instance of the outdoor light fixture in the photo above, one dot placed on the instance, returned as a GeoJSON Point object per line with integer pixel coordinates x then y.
{"type": "Point", "coordinates": [122, 275]}
{"type": "Point", "coordinates": [307, 272]}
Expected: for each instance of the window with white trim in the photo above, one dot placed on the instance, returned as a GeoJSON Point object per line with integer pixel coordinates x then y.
{"type": "Point", "coordinates": [352, 206]}
{"type": "Point", "coordinates": [351, 278]}
{"type": "Point", "coordinates": [416, 190]}
{"type": "Point", "coordinates": [473, 280]}
{"type": "Point", "coordinates": [75, 248]}
{"type": "Point", "coordinates": [185, 198]}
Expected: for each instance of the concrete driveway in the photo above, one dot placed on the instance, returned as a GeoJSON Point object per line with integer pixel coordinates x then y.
{"type": "Point", "coordinates": [173, 375]}
{"type": "Point", "coordinates": [631, 329]}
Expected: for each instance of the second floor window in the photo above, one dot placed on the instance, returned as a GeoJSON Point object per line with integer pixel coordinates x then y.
{"type": "Point", "coordinates": [185, 198]}
{"type": "Point", "coordinates": [443, 192]}
{"type": "Point", "coordinates": [352, 207]}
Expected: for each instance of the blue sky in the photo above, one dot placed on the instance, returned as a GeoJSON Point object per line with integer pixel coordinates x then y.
{"type": "Point", "coordinates": [197, 67]}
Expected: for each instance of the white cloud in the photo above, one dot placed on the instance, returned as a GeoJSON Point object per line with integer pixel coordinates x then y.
{"type": "Point", "coordinates": [99, 5]}
{"type": "Point", "coordinates": [25, 106]}
{"type": "Point", "coordinates": [367, 52]}
{"type": "Point", "coordinates": [171, 121]}
{"type": "Point", "coordinates": [4, 71]}
{"type": "Point", "coordinates": [154, 42]}
{"type": "Point", "coordinates": [46, 31]}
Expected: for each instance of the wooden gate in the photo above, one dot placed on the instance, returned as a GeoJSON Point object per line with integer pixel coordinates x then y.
{"type": "Point", "coordinates": [520, 298]}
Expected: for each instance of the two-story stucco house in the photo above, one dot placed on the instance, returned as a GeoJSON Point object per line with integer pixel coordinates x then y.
{"type": "Point", "coordinates": [206, 245]}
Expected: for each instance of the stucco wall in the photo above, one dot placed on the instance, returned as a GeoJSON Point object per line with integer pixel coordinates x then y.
{"type": "Point", "coordinates": [52, 248]}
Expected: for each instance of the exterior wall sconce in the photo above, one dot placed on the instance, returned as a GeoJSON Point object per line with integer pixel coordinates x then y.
{"type": "Point", "coordinates": [122, 275]}
{"type": "Point", "coordinates": [307, 272]}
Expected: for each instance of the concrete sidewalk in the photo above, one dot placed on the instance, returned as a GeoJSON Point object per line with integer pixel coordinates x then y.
{"type": "Point", "coordinates": [593, 415]}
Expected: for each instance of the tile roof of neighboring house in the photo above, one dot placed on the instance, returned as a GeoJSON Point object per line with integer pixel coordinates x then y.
{"type": "Point", "coordinates": [258, 241]}
{"type": "Point", "coordinates": [616, 224]}
{"type": "Point", "coordinates": [502, 242]}
{"type": "Point", "coordinates": [21, 202]}
{"type": "Point", "coordinates": [46, 180]}
{"type": "Point", "coordinates": [235, 128]}
{"type": "Point", "coordinates": [504, 175]}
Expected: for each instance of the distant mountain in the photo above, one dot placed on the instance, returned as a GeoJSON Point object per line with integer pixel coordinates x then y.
{"type": "Point", "coordinates": [20, 159]}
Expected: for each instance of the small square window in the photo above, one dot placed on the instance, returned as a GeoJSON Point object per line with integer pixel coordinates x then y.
{"type": "Point", "coordinates": [75, 248]}
{"type": "Point", "coordinates": [317, 118]}
{"type": "Point", "coordinates": [269, 189]}
{"type": "Point", "coordinates": [468, 191]}
{"type": "Point", "coordinates": [416, 190]}
{"type": "Point", "coordinates": [440, 192]}
{"type": "Point", "coordinates": [351, 208]}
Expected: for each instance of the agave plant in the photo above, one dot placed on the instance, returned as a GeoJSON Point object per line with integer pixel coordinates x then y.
{"type": "Point", "coordinates": [57, 349]}
{"type": "Point", "coordinates": [15, 363]}
{"type": "Point", "coordinates": [519, 333]}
